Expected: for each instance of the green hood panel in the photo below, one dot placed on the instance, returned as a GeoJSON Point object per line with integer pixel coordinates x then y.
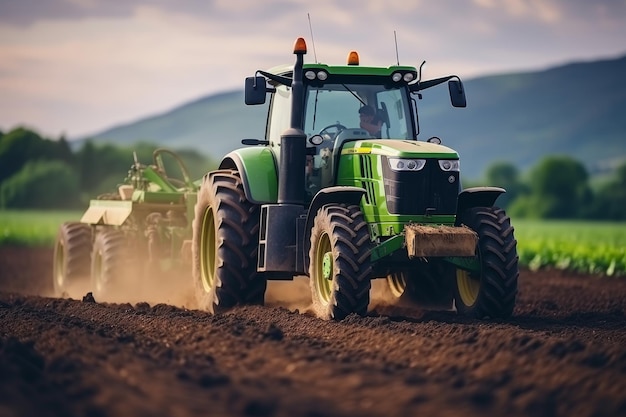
{"type": "Point", "coordinates": [399, 149]}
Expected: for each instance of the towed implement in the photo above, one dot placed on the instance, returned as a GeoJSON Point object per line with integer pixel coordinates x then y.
{"type": "Point", "coordinates": [340, 190]}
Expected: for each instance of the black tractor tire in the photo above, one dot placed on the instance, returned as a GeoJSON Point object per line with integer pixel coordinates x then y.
{"type": "Point", "coordinates": [72, 258]}
{"type": "Point", "coordinates": [339, 268]}
{"type": "Point", "coordinates": [114, 267]}
{"type": "Point", "coordinates": [225, 245]}
{"type": "Point", "coordinates": [492, 292]}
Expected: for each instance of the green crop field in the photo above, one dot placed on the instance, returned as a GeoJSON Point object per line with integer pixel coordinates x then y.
{"type": "Point", "coordinates": [33, 228]}
{"type": "Point", "coordinates": [588, 247]}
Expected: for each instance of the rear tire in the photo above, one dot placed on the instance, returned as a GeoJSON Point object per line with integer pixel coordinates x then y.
{"type": "Point", "coordinates": [422, 284]}
{"type": "Point", "coordinates": [396, 284]}
{"type": "Point", "coordinates": [225, 245]}
{"type": "Point", "coordinates": [339, 269]}
{"type": "Point", "coordinates": [113, 268]}
{"type": "Point", "coordinates": [492, 292]}
{"type": "Point", "coordinates": [72, 258]}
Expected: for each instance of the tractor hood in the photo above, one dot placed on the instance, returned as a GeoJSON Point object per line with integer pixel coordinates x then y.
{"type": "Point", "coordinates": [399, 148]}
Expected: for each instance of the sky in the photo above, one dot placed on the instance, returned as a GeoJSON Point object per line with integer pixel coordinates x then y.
{"type": "Point", "coordinates": [76, 67]}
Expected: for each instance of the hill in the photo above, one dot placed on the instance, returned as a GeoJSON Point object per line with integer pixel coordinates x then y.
{"type": "Point", "coordinates": [575, 109]}
{"type": "Point", "coordinates": [213, 125]}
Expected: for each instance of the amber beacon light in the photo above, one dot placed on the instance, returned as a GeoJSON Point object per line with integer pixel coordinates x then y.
{"type": "Point", "coordinates": [300, 46]}
{"type": "Point", "coordinates": [353, 58]}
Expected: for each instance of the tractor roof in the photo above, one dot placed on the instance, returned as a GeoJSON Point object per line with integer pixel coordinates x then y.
{"type": "Point", "coordinates": [321, 74]}
{"type": "Point", "coordinates": [344, 69]}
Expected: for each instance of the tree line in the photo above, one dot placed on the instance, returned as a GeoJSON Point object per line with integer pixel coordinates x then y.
{"type": "Point", "coordinates": [41, 173]}
{"type": "Point", "coordinates": [559, 187]}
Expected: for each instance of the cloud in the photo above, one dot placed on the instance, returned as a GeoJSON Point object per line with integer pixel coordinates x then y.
{"type": "Point", "coordinates": [82, 65]}
{"type": "Point", "coordinates": [28, 12]}
{"type": "Point", "coordinates": [547, 11]}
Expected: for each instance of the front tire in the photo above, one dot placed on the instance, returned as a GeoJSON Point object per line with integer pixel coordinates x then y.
{"type": "Point", "coordinates": [225, 245]}
{"type": "Point", "coordinates": [339, 269]}
{"type": "Point", "coordinates": [72, 258]}
{"type": "Point", "coordinates": [491, 292]}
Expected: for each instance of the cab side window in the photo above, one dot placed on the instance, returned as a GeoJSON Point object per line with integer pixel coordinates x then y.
{"type": "Point", "coordinates": [280, 114]}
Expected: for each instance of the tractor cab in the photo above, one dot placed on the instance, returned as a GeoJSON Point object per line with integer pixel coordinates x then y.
{"type": "Point", "coordinates": [334, 96]}
{"type": "Point", "coordinates": [340, 104]}
{"type": "Point", "coordinates": [340, 112]}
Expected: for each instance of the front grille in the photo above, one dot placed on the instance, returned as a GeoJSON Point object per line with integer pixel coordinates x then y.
{"type": "Point", "coordinates": [367, 183]}
{"type": "Point", "coordinates": [428, 191]}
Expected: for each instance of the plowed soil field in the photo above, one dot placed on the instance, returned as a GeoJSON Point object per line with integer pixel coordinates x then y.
{"type": "Point", "coordinates": [563, 353]}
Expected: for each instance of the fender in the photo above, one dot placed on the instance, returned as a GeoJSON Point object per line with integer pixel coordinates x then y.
{"type": "Point", "coordinates": [258, 170]}
{"type": "Point", "coordinates": [338, 195]}
{"type": "Point", "coordinates": [477, 197]}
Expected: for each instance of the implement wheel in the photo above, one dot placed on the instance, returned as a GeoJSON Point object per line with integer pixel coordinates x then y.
{"type": "Point", "coordinates": [225, 245]}
{"type": "Point", "coordinates": [113, 267]}
{"type": "Point", "coordinates": [491, 292]}
{"type": "Point", "coordinates": [339, 268]}
{"type": "Point", "coordinates": [72, 258]}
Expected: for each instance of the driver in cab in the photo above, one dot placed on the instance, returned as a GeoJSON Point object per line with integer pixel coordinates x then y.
{"type": "Point", "coordinates": [370, 121]}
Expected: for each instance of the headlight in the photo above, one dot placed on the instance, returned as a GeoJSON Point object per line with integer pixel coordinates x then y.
{"type": "Point", "coordinates": [311, 75]}
{"type": "Point", "coordinates": [398, 164]}
{"type": "Point", "coordinates": [398, 76]}
{"type": "Point", "coordinates": [449, 165]}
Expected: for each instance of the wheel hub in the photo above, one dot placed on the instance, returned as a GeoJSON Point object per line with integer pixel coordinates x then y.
{"type": "Point", "coordinates": [468, 286]}
{"type": "Point", "coordinates": [327, 265]}
{"type": "Point", "coordinates": [208, 249]}
{"type": "Point", "coordinates": [60, 265]}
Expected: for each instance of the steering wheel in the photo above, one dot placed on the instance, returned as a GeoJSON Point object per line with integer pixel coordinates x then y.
{"type": "Point", "coordinates": [158, 161]}
{"type": "Point", "coordinates": [338, 128]}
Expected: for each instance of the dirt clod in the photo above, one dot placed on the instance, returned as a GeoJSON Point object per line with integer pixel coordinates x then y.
{"type": "Point", "coordinates": [88, 298]}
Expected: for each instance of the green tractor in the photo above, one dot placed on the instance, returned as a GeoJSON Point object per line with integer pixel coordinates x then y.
{"type": "Point", "coordinates": [340, 190]}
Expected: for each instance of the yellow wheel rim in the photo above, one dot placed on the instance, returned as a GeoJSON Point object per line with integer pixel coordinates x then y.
{"type": "Point", "coordinates": [97, 272]}
{"type": "Point", "coordinates": [59, 264]}
{"type": "Point", "coordinates": [324, 268]}
{"type": "Point", "coordinates": [208, 249]}
{"type": "Point", "coordinates": [397, 284]}
{"type": "Point", "coordinates": [468, 287]}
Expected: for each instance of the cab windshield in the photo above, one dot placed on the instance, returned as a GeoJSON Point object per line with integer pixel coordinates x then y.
{"type": "Point", "coordinates": [377, 111]}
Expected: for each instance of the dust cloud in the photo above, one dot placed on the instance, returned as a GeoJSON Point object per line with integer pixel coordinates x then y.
{"type": "Point", "coordinates": [178, 289]}
{"type": "Point", "coordinates": [296, 295]}
{"type": "Point", "coordinates": [292, 295]}
{"type": "Point", "coordinates": [384, 302]}
{"type": "Point", "coordinates": [153, 288]}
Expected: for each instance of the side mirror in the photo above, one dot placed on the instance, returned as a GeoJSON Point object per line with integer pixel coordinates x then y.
{"type": "Point", "coordinates": [255, 90]}
{"type": "Point", "coordinates": [457, 93]}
